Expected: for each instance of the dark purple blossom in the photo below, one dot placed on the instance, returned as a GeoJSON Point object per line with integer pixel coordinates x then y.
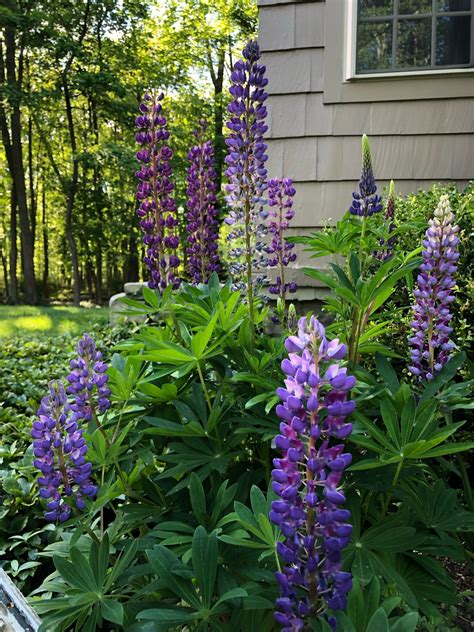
{"type": "Point", "coordinates": [366, 201]}
{"type": "Point", "coordinates": [307, 478]}
{"type": "Point", "coordinates": [88, 381]}
{"type": "Point", "coordinates": [202, 226]}
{"type": "Point", "coordinates": [387, 246]}
{"type": "Point", "coordinates": [157, 209]}
{"type": "Point", "coordinates": [60, 449]}
{"type": "Point", "coordinates": [246, 170]}
{"type": "Point", "coordinates": [430, 343]}
{"type": "Point", "coordinates": [280, 201]}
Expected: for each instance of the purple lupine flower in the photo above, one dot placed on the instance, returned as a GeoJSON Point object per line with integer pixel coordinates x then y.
{"type": "Point", "coordinates": [157, 209]}
{"type": "Point", "coordinates": [246, 170]}
{"type": "Point", "coordinates": [87, 376]}
{"type": "Point", "coordinates": [307, 478]}
{"type": "Point", "coordinates": [60, 449]}
{"type": "Point", "coordinates": [202, 227]}
{"type": "Point", "coordinates": [280, 201]}
{"type": "Point", "coordinates": [366, 201]}
{"type": "Point", "coordinates": [430, 343]}
{"type": "Point", "coordinates": [387, 246]}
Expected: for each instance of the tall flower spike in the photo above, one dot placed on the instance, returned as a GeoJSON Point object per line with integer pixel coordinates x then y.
{"type": "Point", "coordinates": [157, 209]}
{"type": "Point", "coordinates": [366, 202]}
{"type": "Point", "coordinates": [88, 375]}
{"type": "Point", "coordinates": [307, 478]}
{"type": "Point", "coordinates": [246, 170]}
{"type": "Point", "coordinates": [280, 201]}
{"type": "Point", "coordinates": [60, 449]}
{"type": "Point", "coordinates": [387, 246]}
{"type": "Point", "coordinates": [202, 224]}
{"type": "Point", "coordinates": [430, 343]}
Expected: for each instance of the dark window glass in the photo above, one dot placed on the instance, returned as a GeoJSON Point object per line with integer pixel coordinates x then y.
{"type": "Point", "coordinates": [414, 6]}
{"type": "Point", "coordinates": [453, 40]}
{"type": "Point", "coordinates": [374, 46]}
{"type": "Point", "coordinates": [374, 8]}
{"type": "Point", "coordinates": [414, 43]}
{"type": "Point", "coordinates": [454, 5]}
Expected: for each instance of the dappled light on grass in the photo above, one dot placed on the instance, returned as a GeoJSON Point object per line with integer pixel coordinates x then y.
{"type": "Point", "coordinates": [48, 321]}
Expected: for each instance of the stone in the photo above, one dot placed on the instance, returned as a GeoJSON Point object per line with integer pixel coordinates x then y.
{"type": "Point", "coordinates": [15, 613]}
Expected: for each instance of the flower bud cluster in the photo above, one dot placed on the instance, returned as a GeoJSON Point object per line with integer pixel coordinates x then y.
{"type": "Point", "coordinates": [202, 227]}
{"type": "Point", "coordinates": [245, 162]}
{"type": "Point", "coordinates": [157, 209]}
{"type": "Point", "coordinates": [60, 449]}
{"type": "Point", "coordinates": [430, 343]}
{"type": "Point", "coordinates": [366, 201]}
{"type": "Point", "coordinates": [387, 246]}
{"type": "Point", "coordinates": [280, 201]}
{"type": "Point", "coordinates": [307, 478]}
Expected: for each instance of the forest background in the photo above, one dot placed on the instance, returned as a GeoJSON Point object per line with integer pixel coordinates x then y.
{"type": "Point", "coordinates": [72, 73]}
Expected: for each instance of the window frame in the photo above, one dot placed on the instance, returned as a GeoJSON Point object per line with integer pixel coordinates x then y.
{"type": "Point", "coordinates": [433, 70]}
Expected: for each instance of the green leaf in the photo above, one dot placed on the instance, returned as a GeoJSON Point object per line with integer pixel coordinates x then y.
{"type": "Point", "coordinates": [197, 497]}
{"type": "Point", "coordinates": [233, 593]}
{"type": "Point", "coordinates": [387, 372]}
{"type": "Point", "coordinates": [163, 562]}
{"type": "Point", "coordinates": [390, 418]}
{"type": "Point", "coordinates": [396, 539]}
{"type": "Point", "coordinates": [407, 623]}
{"type": "Point", "coordinates": [378, 622]}
{"type": "Point", "coordinates": [258, 501]}
{"type": "Point", "coordinates": [204, 555]}
{"type": "Point", "coordinates": [167, 615]}
{"type": "Point", "coordinates": [447, 373]}
{"type": "Point", "coordinates": [112, 610]}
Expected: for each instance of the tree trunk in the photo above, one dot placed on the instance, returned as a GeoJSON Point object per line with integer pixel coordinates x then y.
{"type": "Point", "coordinates": [31, 182]}
{"type": "Point", "coordinates": [45, 241]}
{"type": "Point", "coordinates": [71, 195]}
{"type": "Point", "coordinates": [13, 250]}
{"type": "Point", "coordinates": [13, 148]}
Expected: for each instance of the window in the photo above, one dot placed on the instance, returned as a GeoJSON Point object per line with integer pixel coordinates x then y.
{"type": "Point", "coordinates": [407, 35]}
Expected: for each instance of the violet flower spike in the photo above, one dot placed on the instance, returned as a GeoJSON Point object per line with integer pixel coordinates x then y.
{"type": "Point", "coordinates": [366, 201]}
{"type": "Point", "coordinates": [60, 449]}
{"type": "Point", "coordinates": [88, 378]}
{"type": "Point", "coordinates": [430, 342]}
{"type": "Point", "coordinates": [202, 226]}
{"type": "Point", "coordinates": [157, 208]}
{"type": "Point", "coordinates": [387, 246]}
{"type": "Point", "coordinates": [307, 478]}
{"type": "Point", "coordinates": [246, 170]}
{"type": "Point", "coordinates": [280, 201]}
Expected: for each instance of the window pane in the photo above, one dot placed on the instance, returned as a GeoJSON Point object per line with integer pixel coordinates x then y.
{"type": "Point", "coordinates": [371, 8]}
{"type": "Point", "coordinates": [454, 5]}
{"type": "Point", "coordinates": [374, 46]}
{"type": "Point", "coordinates": [453, 40]}
{"type": "Point", "coordinates": [415, 6]}
{"type": "Point", "coordinates": [414, 43]}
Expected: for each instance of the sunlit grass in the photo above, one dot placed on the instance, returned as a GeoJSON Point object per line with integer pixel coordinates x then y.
{"type": "Point", "coordinates": [48, 321]}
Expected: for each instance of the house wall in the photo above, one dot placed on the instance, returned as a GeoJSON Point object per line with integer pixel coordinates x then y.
{"type": "Point", "coordinates": [421, 127]}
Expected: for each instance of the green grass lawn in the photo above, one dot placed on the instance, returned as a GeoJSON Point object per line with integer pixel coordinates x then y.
{"type": "Point", "coordinates": [24, 320]}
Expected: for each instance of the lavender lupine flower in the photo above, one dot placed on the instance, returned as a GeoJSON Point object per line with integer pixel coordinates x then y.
{"type": "Point", "coordinates": [202, 224]}
{"type": "Point", "coordinates": [430, 343]}
{"type": "Point", "coordinates": [366, 201]}
{"type": "Point", "coordinates": [307, 478]}
{"type": "Point", "coordinates": [157, 209]}
{"type": "Point", "coordinates": [246, 170]}
{"type": "Point", "coordinates": [387, 246]}
{"type": "Point", "coordinates": [60, 450]}
{"type": "Point", "coordinates": [88, 374]}
{"type": "Point", "coordinates": [280, 201]}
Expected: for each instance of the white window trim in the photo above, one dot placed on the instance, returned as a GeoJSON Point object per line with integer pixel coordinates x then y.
{"type": "Point", "coordinates": [350, 73]}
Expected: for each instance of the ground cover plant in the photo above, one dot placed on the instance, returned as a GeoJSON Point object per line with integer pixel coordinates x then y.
{"type": "Point", "coordinates": [233, 466]}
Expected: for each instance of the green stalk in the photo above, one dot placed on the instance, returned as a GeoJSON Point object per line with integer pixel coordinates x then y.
{"type": "Point", "coordinates": [394, 482]}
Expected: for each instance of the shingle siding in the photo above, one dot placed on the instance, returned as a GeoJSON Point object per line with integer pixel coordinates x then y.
{"type": "Point", "coordinates": [421, 128]}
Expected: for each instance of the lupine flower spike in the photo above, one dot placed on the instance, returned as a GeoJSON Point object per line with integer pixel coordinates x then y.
{"type": "Point", "coordinates": [430, 343]}
{"type": "Point", "coordinates": [366, 201]}
{"type": "Point", "coordinates": [280, 201]}
{"type": "Point", "coordinates": [60, 450]}
{"type": "Point", "coordinates": [246, 170]}
{"type": "Point", "coordinates": [387, 246]}
{"type": "Point", "coordinates": [307, 478]}
{"type": "Point", "coordinates": [87, 376]}
{"type": "Point", "coordinates": [202, 224]}
{"type": "Point", "coordinates": [157, 209]}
